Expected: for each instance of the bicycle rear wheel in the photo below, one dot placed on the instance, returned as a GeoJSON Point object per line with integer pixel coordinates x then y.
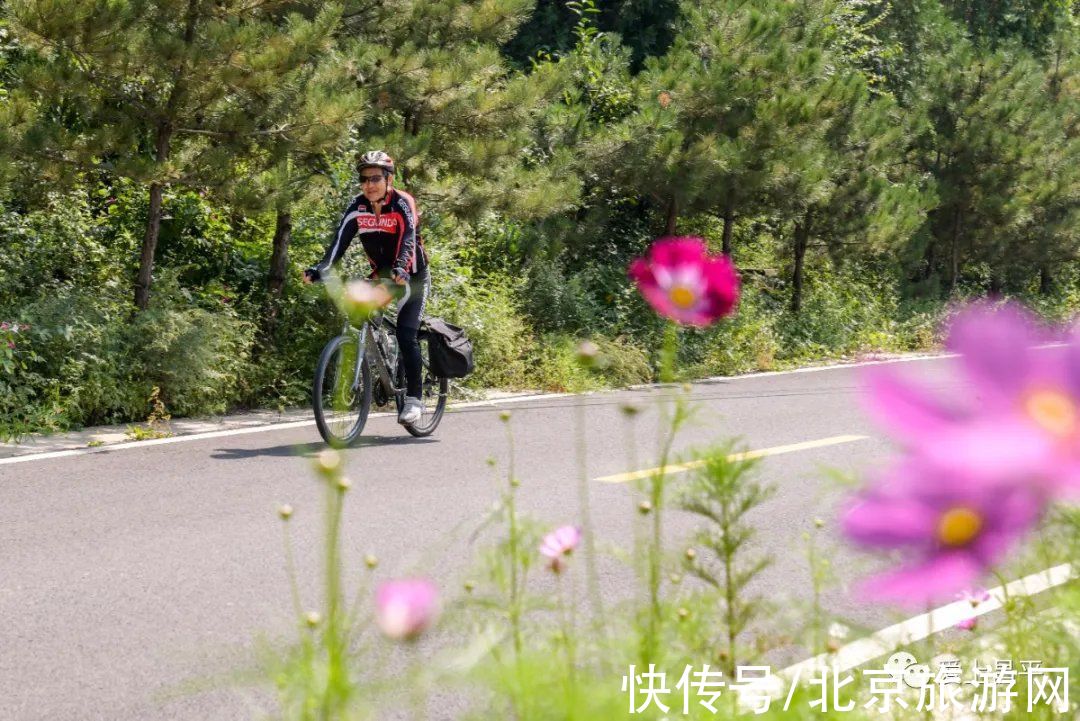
{"type": "Point", "coordinates": [341, 398]}
{"type": "Point", "coordinates": [433, 394]}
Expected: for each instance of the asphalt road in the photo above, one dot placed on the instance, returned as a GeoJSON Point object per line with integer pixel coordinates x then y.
{"type": "Point", "coordinates": [134, 583]}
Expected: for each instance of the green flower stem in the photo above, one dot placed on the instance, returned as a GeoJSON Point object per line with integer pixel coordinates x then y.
{"type": "Point", "coordinates": [514, 541]}
{"type": "Point", "coordinates": [668, 353]}
{"type": "Point", "coordinates": [566, 623]}
{"type": "Point", "coordinates": [591, 574]}
{"type": "Point", "coordinates": [337, 681]}
{"type": "Point", "coordinates": [656, 496]}
{"type": "Point", "coordinates": [416, 672]}
{"type": "Point", "coordinates": [817, 623]}
{"type": "Point", "coordinates": [290, 571]}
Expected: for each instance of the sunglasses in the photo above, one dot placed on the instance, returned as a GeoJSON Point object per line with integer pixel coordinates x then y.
{"type": "Point", "coordinates": [364, 179]}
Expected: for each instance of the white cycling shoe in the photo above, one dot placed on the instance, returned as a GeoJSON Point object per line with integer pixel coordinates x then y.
{"type": "Point", "coordinates": [411, 411]}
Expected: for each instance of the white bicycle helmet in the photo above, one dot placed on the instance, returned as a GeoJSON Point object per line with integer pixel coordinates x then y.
{"type": "Point", "coordinates": [375, 159]}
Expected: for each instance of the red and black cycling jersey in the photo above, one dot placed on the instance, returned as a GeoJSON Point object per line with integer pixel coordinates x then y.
{"type": "Point", "coordinates": [390, 238]}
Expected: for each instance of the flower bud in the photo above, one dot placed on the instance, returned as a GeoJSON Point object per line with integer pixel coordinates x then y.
{"type": "Point", "coordinates": [363, 298]}
{"type": "Point", "coordinates": [285, 511]}
{"type": "Point", "coordinates": [405, 608]}
{"type": "Point", "coordinates": [644, 508]}
{"type": "Point", "coordinates": [588, 353]}
{"type": "Point", "coordinates": [504, 416]}
{"type": "Point", "coordinates": [370, 561]}
{"type": "Point", "coordinates": [328, 462]}
{"type": "Point", "coordinates": [313, 619]}
{"type": "Point", "coordinates": [691, 554]}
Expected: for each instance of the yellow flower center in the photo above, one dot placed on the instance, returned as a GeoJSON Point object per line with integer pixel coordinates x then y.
{"type": "Point", "coordinates": [959, 526]}
{"type": "Point", "coordinates": [1054, 411]}
{"type": "Point", "coordinates": [682, 296]}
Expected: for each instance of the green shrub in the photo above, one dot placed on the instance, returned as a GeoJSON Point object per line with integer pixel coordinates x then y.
{"type": "Point", "coordinates": [502, 340]}
{"type": "Point", "coordinates": [619, 363]}
{"type": "Point", "coordinates": [197, 357]}
{"type": "Point", "coordinates": [94, 361]}
{"type": "Point", "coordinates": [744, 343]}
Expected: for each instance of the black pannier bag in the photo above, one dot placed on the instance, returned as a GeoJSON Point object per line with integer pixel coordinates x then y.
{"type": "Point", "coordinates": [451, 352]}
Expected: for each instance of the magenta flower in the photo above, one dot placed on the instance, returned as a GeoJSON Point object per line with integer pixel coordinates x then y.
{"type": "Point", "coordinates": [950, 528]}
{"type": "Point", "coordinates": [1020, 422]}
{"type": "Point", "coordinates": [4, 325]}
{"type": "Point", "coordinates": [406, 608]}
{"type": "Point", "coordinates": [968, 624]}
{"type": "Point", "coordinates": [681, 281]}
{"type": "Point", "coordinates": [559, 543]}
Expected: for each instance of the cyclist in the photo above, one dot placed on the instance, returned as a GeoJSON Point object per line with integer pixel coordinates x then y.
{"type": "Point", "coordinates": [386, 220]}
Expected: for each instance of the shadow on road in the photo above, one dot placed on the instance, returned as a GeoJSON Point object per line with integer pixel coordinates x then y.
{"type": "Point", "coordinates": [309, 450]}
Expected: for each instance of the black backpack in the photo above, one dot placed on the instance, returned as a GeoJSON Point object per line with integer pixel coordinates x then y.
{"type": "Point", "coordinates": [451, 352]}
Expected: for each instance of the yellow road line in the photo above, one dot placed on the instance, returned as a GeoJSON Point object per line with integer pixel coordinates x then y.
{"type": "Point", "coordinates": [744, 455]}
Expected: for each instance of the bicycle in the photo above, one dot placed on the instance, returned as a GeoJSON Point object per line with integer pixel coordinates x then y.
{"type": "Point", "coordinates": [343, 391]}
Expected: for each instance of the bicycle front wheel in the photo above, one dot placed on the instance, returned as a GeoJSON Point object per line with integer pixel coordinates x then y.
{"type": "Point", "coordinates": [341, 396]}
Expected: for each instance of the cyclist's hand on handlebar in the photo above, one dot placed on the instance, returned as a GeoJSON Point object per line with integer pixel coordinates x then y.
{"type": "Point", "coordinates": [309, 276]}
{"type": "Point", "coordinates": [400, 276]}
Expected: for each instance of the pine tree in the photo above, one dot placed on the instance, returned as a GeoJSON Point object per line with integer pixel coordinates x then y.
{"type": "Point", "coordinates": [988, 135]}
{"type": "Point", "coordinates": [1031, 22]}
{"type": "Point", "coordinates": [454, 114]}
{"type": "Point", "coordinates": [911, 34]}
{"type": "Point", "coordinates": [1049, 233]}
{"type": "Point", "coordinates": [717, 112]}
{"type": "Point", "coordinates": [159, 92]}
{"type": "Point", "coordinates": [317, 107]}
{"type": "Point", "coordinates": [646, 27]}
{"type": "Point", "coordinates": [852, 187]}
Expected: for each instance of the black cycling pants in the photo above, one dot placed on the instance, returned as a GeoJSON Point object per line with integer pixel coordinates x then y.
{"type": "Point", "coordinates": [408, 325]}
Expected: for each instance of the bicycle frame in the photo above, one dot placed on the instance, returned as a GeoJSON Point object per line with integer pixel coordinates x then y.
{"type": "Point", "coordinates": [373, 352]}
{"type": "Point", "coordinates": [381, 362]}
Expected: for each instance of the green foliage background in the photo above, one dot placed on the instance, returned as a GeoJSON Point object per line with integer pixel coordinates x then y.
{"type": "Point", "coordinates": [867, 163]}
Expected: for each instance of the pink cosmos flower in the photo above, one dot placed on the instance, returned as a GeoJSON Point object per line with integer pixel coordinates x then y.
{"type": "Point", "coordinates": [406, 608]}
{"type": "Point", "coordinates": [976, 597]}
{"type": "Point", "coordinates": [559, 543]}
{"type": "Point", "coordinates": [683, 282]}
{"type": "Point", "coordinates": [968, 624]}
{"type": "Point", "coordinates": [1020, 423]}
{"type": "Point", "coordinates": [949, 527]}
{"type": "Point", "coordinates": [4, 325]}
{"type": "Point", "coordinates": [979, 595]}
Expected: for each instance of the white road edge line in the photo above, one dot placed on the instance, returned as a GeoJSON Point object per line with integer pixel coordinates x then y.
{"type": "Point", "coordinates": [49, 455]}
{"type": "Point", "coordinates": [310, 422]}
{"type": "Point", "coordinates": [887, 640]}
